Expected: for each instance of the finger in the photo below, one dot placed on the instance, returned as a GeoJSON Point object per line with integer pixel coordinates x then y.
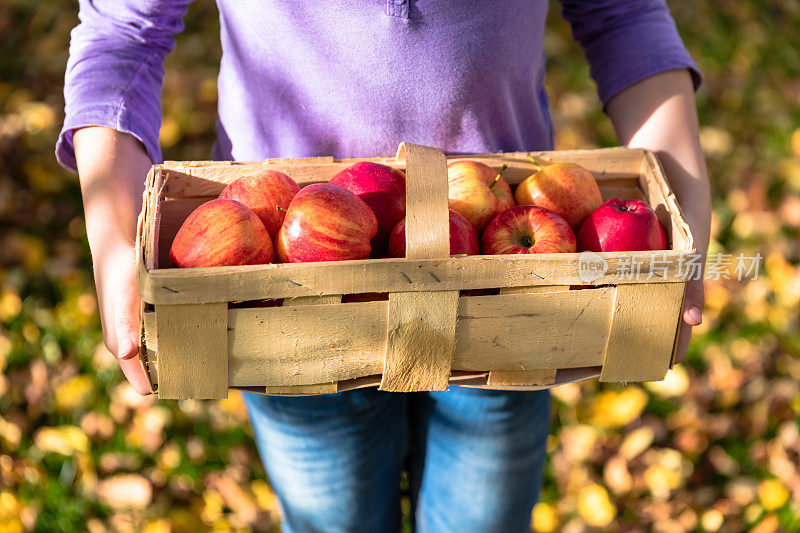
{"type": "Point", "coordinates": [693, 303]}
{"type": "Point", "coordinates": [693, 316]}
{"type": "Point", "coordinates": [134, 373]}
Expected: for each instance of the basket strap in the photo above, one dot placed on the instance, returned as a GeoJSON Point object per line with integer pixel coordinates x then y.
{"type": "Point", "coordinates": [643, 325]}
{"type": "Point", "coordinates": [192, 342]}
{"type": "Point", "coordinates": [421, 333]}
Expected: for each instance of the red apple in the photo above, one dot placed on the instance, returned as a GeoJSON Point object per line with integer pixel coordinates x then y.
{"type": "Point", "coordinates": [265, 192]}
{"type": "Point", "coordinates": [565, 188]}
{"type": "Point", "coordinates": [622, 225]}
{"type": "Point", "coordinates": [382, 188]}
{"type": "Point", "coordinates": [476, 192]}
{"type": "Point", "coordinates": [463, 237]}
{"type": "Point", "coordinates": [527, 229]}
{"type": "Point", "coordinates": [326, 222]}
{"type": "Point", "coordinates": [221, 233]}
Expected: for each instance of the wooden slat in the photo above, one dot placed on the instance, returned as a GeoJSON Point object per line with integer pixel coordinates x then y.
{"type": "Point", "coordinates": [267, 346]}
{"type": "Point", "coordinates": [257, 282]}
{"type": "Point", "coordinates": [525, 377]}
{"type": "Point", "coordinates": [533, 331]}
{"type": "Point", "coordinates": [316, 388]}
{"type": "Point", "coordinates": [313, 300]}
{"type": "Point", "coordinates": [663, 201]}
{"type": "Point", "coordinates": [643, 331]}
{"type": "Point", "coordinates": [307, 344]}
{"type": "Point", "coordinates": [522, 377]}
{"type": "Point", "coordinates": [299, 390]}
{"type": "Point", "coordinates": [421, 326]}
{"type": "Point", "coordinates": [633, 193]}
{"type": "Point", "coordinates": [565, 375]}
{"type": "Point", "coordinates": [146, 354]}
{"type": "Point", "coordinates": [204, 178]}
{"type": "Point", "coordinates": [193, 361]}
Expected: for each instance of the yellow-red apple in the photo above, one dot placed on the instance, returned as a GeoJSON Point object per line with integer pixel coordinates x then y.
{"type": "Point", "coordinates": [565, 188]}
{"type": "Point", "coordinates": [326, 222]}
{"type": "Point", "coordinates": [267, 193]}
{"type": "Point", "coordinates": [221, 233]}
{"type": "Point", "coordinates": [527, 229]}
{"type": "Point", "coordinates": [477, 192]}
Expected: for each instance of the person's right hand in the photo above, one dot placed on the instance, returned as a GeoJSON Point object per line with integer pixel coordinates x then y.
{"type": "Point", "coordinates": [112, 167]}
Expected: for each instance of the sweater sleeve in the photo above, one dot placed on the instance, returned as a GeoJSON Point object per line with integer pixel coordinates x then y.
{"type": "Point", "coordinates": [626, 41]}
{"type": "Point", "coordinates": [115, 69]}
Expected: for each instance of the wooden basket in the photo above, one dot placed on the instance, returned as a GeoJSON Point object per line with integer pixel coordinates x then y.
{"type": "Point", "coordinates": [206, 330]}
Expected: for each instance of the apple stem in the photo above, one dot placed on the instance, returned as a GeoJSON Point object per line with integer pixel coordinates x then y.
{"type": "Point", "coordinates": [499, 175]}
{"type": "Point", "coordinates": [535, 162]}
{"type": "Point", "coordinates": [279, 208]}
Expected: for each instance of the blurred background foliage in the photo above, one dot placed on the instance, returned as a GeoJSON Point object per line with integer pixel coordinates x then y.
{"type": "Point", "coordinates": [715, 447]}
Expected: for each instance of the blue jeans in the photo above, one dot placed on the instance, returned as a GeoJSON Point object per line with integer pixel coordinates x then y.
{"type": "Point", "coordinates": [474, 458]}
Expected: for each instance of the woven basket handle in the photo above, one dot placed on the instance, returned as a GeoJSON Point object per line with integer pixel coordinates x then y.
{"type": "Point", "coordinates": [421, 335]}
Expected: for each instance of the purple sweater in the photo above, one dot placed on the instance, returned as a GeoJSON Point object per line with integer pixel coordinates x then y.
{"type": "Point", "coordinates": [352, 78]}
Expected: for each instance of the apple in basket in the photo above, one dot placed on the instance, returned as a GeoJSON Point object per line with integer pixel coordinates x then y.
{"type": "Point", "coordinates": [463, 237]}
{"type": "Point", "coordinates": [565, 188]}
{"type": "Point", "coordinates": [622, 225]}
{"type": "Point", "coordinates": [382, 188]}
{"type": "Point", "coordinates": [267, 193]}
{"type": "Point", "coordinates": [477, 192]}
{"type": "Point", "coordinates": [326, 222]}
{"type": "Point", "coordinates": [527, 229]}
{"type": "Point", "coordinates": [221, 233]}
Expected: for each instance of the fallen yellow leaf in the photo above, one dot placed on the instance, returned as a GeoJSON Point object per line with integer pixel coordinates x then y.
{"type": "Point", "coordinates": [772, 494]}
{"type": "Point", "coordinates": [65, 440]}
{"type": "Point", "coordinates": [544, 518]}
{"type": "Point", "coordinates": [618, 408]}
{"type": "Point", "coordinates": [595, 507]}
{"type": "Point", "coordinates": [75, 393]}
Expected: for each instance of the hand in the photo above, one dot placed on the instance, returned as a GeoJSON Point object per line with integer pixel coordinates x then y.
{"type": "Point", "coordinates": [118, 300]}
{"type": "Point", "coordinates": [112, 167]}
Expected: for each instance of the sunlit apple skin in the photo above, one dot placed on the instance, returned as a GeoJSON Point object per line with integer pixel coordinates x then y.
{"type": "Point", "coordinates": [527, 229]}
{"type": "Point", "coordinates": [221, 233]}
{"type": "Point", "coordinates": [463, 237]}
{"type": "Point", "coordinates": [382, 188]}
{"type": "Point", "coordinates": [620, 226]}
{"type": "Point", "coordinates": [264, 192]}
{"type": "Point", "coordinates": [470, 194]}
{"type": "Point", "coordinates": [564, 188]}
{"type": "Point", "coordinates": [326, 222]}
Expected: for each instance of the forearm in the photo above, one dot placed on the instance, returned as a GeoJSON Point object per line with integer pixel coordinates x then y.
{"type": "Point", "coordinates": [659, 113]}
{"type": "Point", "coordinates": [112, 167]}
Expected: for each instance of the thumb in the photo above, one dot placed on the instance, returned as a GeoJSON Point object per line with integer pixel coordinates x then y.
{"type": "Point", "coordinates": [693, 303]}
